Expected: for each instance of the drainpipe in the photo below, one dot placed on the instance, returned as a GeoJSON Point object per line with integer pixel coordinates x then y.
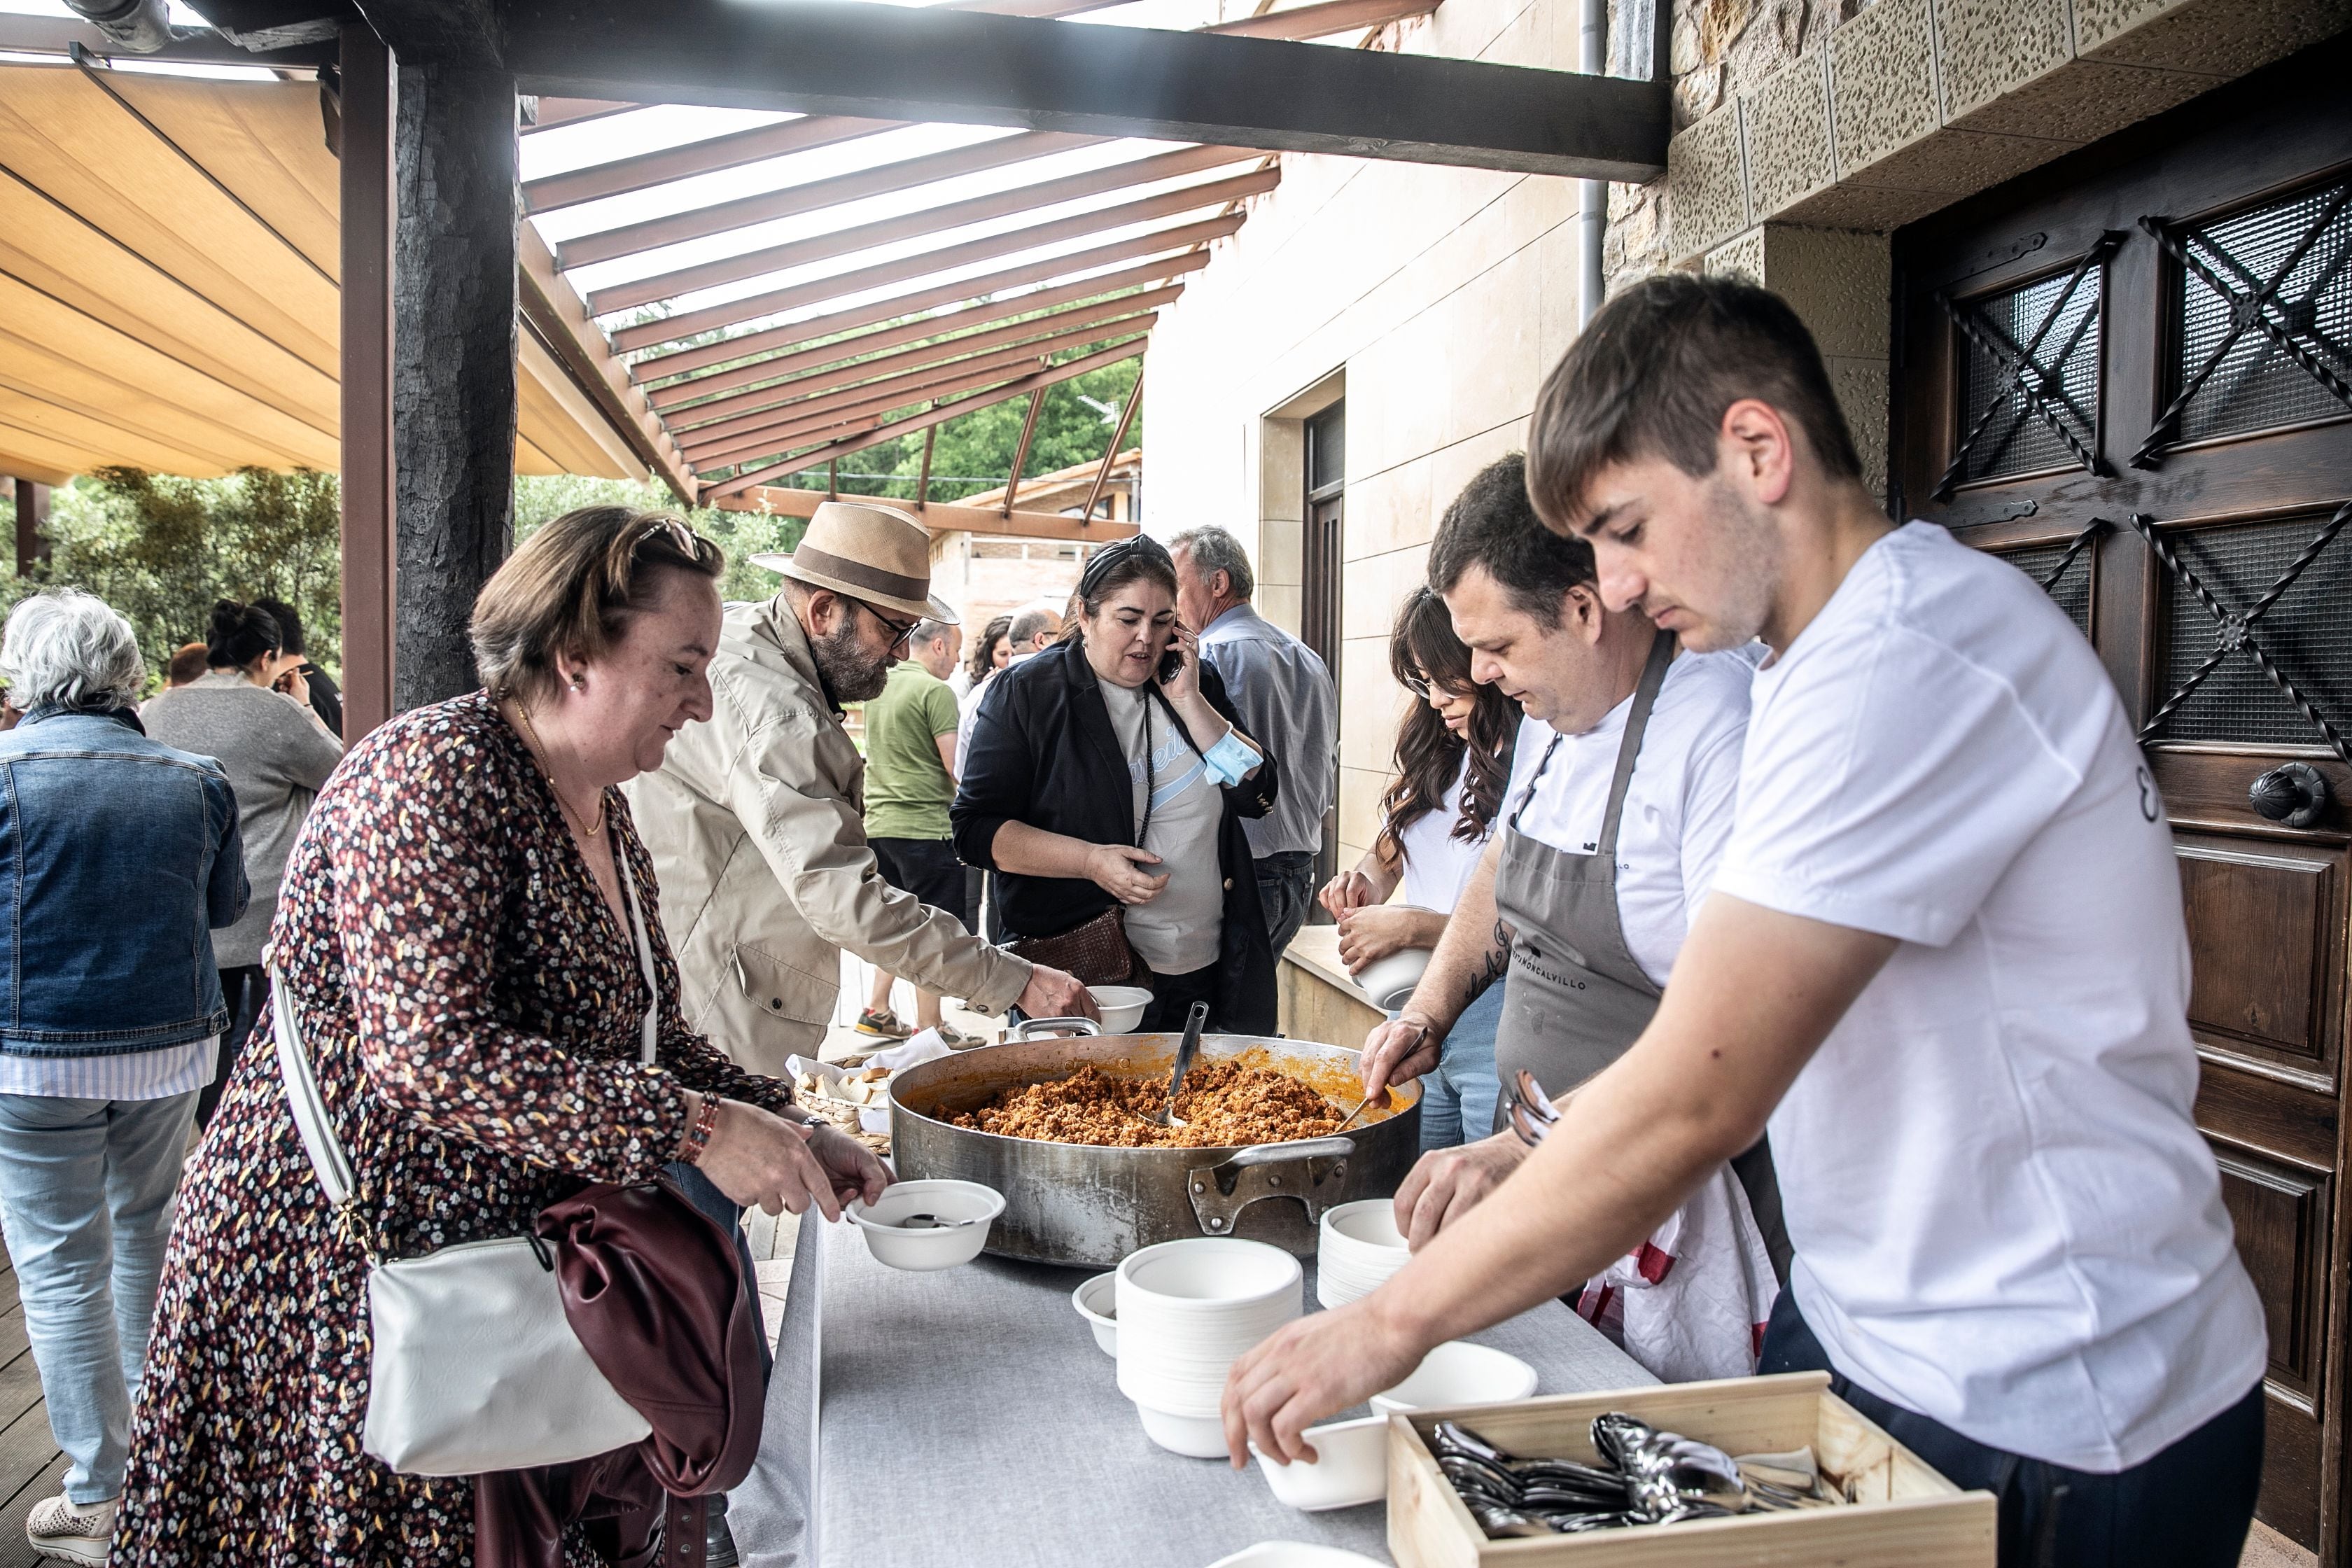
{"type": "Point", "coordinates": [142, 26]}
{"type": "Point", "coordinates": [1592, 215]}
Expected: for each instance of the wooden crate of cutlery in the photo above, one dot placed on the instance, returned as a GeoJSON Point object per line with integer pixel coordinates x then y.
{"type": "Point", "coordinates": [1899, 1513]}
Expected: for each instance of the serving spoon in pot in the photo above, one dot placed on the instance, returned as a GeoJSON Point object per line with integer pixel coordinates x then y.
{"type": "Point", "coordinates": [1186, 1049]}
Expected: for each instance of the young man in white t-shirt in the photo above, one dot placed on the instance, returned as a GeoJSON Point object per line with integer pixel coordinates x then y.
{"type": "Point", "coordinates": [1943, 953]}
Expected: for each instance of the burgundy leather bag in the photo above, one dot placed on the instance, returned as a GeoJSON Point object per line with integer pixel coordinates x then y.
{"type": "Point", "coordinates": [654, 1289]}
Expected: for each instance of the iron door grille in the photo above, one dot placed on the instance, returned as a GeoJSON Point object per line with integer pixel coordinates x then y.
{"type": "Point", "coordinates": [2308, 634]}
{"type": "Point", "coordinates": [2027, 362]}
{"type": "Point", "coordinates": [2065, 570]}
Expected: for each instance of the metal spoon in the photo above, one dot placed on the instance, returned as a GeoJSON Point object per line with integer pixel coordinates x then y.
{"type": "Point", "coordinates": [1186, 1049]}
{"type": "Point", "coordinates": [932, 1222]}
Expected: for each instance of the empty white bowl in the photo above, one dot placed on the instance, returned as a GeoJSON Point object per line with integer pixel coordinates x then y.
{"type": "Point", "coordinates": [1390, 981]}
{"type": "Point", "coordinates": [1459, 1373]}
{"type": "Point", "coordinates": [1187, 1309]}
{"type": "Point", "coordinates": [969, 1209]}
{"type": "Point", "coordinates": [1295, 1554]}
{"type": "Point", "coordinates": [1194, 1436]}
{"type": "Point", "coordinates": [1122, 1007]}
{"type": "Point", "coordinates": [1097, 1301]}
{"type": "Point", "coordinates": [1359, 1247]}
{"type": "Point", "coordinates": [1350, 1466]}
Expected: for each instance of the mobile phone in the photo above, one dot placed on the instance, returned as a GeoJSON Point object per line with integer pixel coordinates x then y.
{"type": "Point", "coordinates": [1172, 663]}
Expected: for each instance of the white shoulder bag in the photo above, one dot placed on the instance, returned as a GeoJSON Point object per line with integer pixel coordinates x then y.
{"type": "Point", "coordinates": [475, 1367]}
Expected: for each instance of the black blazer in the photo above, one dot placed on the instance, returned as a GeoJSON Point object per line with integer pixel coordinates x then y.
{"type": "Point", "coordinates": [1042, 753]}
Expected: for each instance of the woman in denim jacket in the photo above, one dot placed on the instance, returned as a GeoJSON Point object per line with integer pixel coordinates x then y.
{"type": "Point", "coordinates": [119, 857]}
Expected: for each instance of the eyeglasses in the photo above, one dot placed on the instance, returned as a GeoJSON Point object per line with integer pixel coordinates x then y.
{"type": "Point", "coordinates": [902, 631]}
{"type": "Point", "coordinates": [1417, 686]}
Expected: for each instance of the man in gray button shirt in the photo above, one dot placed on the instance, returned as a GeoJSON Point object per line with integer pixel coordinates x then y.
{"type": "Point", "coordinates": [1286, 702]}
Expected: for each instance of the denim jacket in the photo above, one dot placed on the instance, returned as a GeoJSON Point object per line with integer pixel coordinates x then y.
{"type": "Point", "coordinates": [117, 855]}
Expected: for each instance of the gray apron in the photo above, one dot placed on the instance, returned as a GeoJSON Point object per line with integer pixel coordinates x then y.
{"type": "Point", "coordinates": [1575, 1000]}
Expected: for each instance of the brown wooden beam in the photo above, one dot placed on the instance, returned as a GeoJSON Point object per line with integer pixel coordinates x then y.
{"type": "Point", "coordinates": [812, 329]}
{"type": "Point", "coordinates": [552, 305]}
{"type": "Point", "coordinates": [930, 352]}
{"type": "Point", "coordinates": [370, 500]}
{"type": "Point", "coordinates": [1167, 205]}
{"type": "Point", "coordinates": [1021, 450]}
{"type": "Point", "coordinates": [32, 525]}
{"type": "Point", "coordinates": [555, 111]}
{"type": "Point", "coordinates": [939, 517]}
{"type": "Point", "coordinates": [949, 216]}
{"type": "Point", "coordinates": [1054, 376]}
{"type": "Point", "coordinates": [753, 435]}
{"type": "Point", "coordinates": [623, 176]}
{"type": "Point", "coordinates": [883, 179]}
{"type": "Point", "coordinates": [1322, 20]}
{"type": "Point", "coordinates": [1118, 439]}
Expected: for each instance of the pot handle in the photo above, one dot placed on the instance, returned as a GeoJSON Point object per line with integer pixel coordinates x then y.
{"type": "Point", "coordinates": [1311, 1169]}
{"type": "Point", "coordinates": [1026, 1028]}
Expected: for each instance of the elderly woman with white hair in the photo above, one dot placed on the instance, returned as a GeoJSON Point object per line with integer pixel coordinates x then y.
{"type": "Point", "coordinates": [122, 857]}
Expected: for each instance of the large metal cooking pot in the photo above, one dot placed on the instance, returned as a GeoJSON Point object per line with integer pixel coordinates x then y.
{"type": "Point", "coordinates": [1080, 1204]}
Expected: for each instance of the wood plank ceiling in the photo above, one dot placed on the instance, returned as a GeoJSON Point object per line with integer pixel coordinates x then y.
{"type": "Point", "coordinates": [881, 279]}
{"type": "Point", "coordinates": [168, 286]}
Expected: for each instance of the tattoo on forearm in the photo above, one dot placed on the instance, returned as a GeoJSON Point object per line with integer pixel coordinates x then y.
{"type": "Point", "coordinates": [1498, 959]}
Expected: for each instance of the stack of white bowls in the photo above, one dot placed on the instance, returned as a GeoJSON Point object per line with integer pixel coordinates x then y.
{"type": "Point", "coordinates": [1187, 1311]}
{"type": "Point", "coordinates": [1360, 1248]}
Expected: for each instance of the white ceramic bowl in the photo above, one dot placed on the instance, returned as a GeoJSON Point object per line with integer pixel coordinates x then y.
{"type": "Point", "coordinates": [1122, 1007]}
{"type": "Point", "coordinates": [1194, 1436]}
{"type": "Point", "coordinates": [1097, 1301]}
{"type": "Point", "coordinates": [1459, 1373]}
{"type": "Point", "coordinates": [890, 1241]}
{"type": "Point", "coordinates": [1187, 1309]}
{"type": "Point", "coordinates": [1350, 1466]}
{"type": "Point", "coordinates": [1296, 1554]}
{"type": "Point", "coordinates": [1389, 981]}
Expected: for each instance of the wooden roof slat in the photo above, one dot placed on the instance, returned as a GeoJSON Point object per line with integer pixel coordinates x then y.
{"type": "Point", "coordinates": [740, 437]}
{"type": "Point", "coordinates": [913, 423]}
{"type": "Point", "coordinates": [943, 517]}
{"type": "Point", "coordinates": [1012, 242]}
{"type": "Point", "coordinates": [99, 430]}
{"type": "Point", "coordinates": [1323, 19]}
{"type": "Point", "coordinates": [555, 111]}
{"type": "Point", "coordinates": [883, 179]}
{"type": "Point", "coordinates": [940, 219]}
{"type": "Point", "coordinates": [809, 329]}
{"type": "Point", "coordinates": [931, 352]}
{"type": "Point", "coordinates": [550, 305]}
{"type": "Point", "coordinates": [731, 151]}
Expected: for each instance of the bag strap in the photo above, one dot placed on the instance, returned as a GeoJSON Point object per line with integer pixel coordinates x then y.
{"type": "Point", "coordinates": [332, 1166]}
{"type": "Point", "coordinates": [651, 1028]}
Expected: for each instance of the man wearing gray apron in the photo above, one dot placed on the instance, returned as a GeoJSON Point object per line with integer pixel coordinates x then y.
{"type": "Point", "coordinates": [1581, 903]}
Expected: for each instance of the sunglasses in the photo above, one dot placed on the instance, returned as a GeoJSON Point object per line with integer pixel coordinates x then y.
{"type": "Point", "coordinates": [902, 631]}
{"type": "Point", "coordinates": [689, 542]}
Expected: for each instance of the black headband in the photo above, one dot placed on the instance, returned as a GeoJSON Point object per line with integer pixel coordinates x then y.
{"type": "Point", "coordinates": [1099, 565]}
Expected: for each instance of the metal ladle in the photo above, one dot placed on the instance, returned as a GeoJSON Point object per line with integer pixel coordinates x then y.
{"type": "Point", "coordinates": [1186, 1049]}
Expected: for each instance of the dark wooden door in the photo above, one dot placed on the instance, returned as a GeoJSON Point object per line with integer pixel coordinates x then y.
{"type": "Point", "coordinates": [1322, 562]}
{"type": "Point", "coordinates": [2129, 373]}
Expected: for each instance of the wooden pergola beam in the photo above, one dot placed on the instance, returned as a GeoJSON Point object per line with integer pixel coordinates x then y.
{"type": "Point", "coordinates": [644, 170]}
{"type": "Point", "coordinates": [940, 516]}
{"type": "Point", "coordinates": [370, 498]}
{"type": "Point", "coordinates": [885, 179]}
{"type": "Point", "coordinates": [555, 111]}
{"type": "Point", "coordinates": [756, 435]}
{"type": "Point", "coordinates": [843, 447]}
{"type": "Point", "coordinates": [819, 382]}
{"type": "Point", "coordinates": [851, 58]}
{"type": "Point", "coordinates": [552, 305]}
{"type": "Point", "coordinates": [1013, 242]}
{"type": "Point", "coordinates": [947, 218]}
{"type": "Point", "coordinates": [1322, 20]}
{"type": "Point", "coordinates": [792, 336]}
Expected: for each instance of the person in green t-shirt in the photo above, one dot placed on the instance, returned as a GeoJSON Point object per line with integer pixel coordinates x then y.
{"type": "Point", "coordinates": [910, 777]}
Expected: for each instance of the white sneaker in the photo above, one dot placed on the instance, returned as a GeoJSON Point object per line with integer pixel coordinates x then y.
{"type": "Point", "coordinates": [72, 1532]}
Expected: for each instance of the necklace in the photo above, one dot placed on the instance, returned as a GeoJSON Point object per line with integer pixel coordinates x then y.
{"type": "Point", "coordinates": [539, 753]}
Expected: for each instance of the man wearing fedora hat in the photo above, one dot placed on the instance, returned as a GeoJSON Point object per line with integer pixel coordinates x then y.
{"type": "Point", "coordinates": [757, 819]}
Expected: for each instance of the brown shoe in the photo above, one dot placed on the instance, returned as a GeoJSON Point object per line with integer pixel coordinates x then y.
{"type": "Point", "coordinates": [883, 1024]}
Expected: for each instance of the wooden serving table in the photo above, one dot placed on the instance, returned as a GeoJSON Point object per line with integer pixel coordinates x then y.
{"type": "Point", "coordinates": [965, 1419]}
{"type": "Point", "coordinates": [1315, 998]}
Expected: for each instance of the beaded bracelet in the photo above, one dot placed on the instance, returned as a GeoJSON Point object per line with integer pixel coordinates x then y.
{"type": "Point", "coordinates": [706, 1122]}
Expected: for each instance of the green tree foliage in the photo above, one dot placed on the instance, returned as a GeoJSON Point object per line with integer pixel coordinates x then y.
{"type": "Point", "coordinates": [161, 548]}
{"type": "Point", "coordinates": [540, 499]}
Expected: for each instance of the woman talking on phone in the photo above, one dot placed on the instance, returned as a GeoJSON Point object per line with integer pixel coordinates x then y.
{"type": "Point", "coordinates": [1106, 785]}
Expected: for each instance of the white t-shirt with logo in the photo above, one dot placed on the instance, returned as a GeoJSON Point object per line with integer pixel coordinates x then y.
{"type": "Point", "coordinates": [1181, 928]}
{"type": "Point", "coordinates": [2003, 1215]}
{"type": "Point", "coordinates": [1678, 804]}
{"type": "Point", "coordinates": [1437, 864]}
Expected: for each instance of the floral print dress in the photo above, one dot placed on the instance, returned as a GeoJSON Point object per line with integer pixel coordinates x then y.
{"type": "Point", "coordinates": [474, 1010]}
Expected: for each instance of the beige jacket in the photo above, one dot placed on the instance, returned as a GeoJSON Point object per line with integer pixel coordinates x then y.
{"type": "Point", "coordinates": [757, 826]}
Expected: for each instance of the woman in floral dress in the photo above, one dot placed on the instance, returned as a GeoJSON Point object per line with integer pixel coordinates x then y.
{"type": "Point", "coordinates": [454, 931]}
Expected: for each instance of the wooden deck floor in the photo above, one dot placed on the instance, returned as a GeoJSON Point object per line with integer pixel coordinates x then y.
{"type": "Point", "coordinates": [30, 1465]}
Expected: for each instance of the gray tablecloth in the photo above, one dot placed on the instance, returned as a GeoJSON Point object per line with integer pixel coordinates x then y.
{"type": "Point", "coordinates": [965, 1419]}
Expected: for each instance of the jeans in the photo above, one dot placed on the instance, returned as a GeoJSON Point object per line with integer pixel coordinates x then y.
{"type": "Point", "coordinates": [1286, 891]}
{"type": "Point", "coordinates": [1458, 1098]}
{"type": "Point", "coordinates": [86, 1192]}
{"type": "Point", "coordinates": [2188, 1506]}
{"type": "Point", "coordinates": [242, 991]}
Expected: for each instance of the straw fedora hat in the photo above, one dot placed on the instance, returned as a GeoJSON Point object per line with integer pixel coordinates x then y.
{"type": "Point", "coordinates": [876, 554]}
